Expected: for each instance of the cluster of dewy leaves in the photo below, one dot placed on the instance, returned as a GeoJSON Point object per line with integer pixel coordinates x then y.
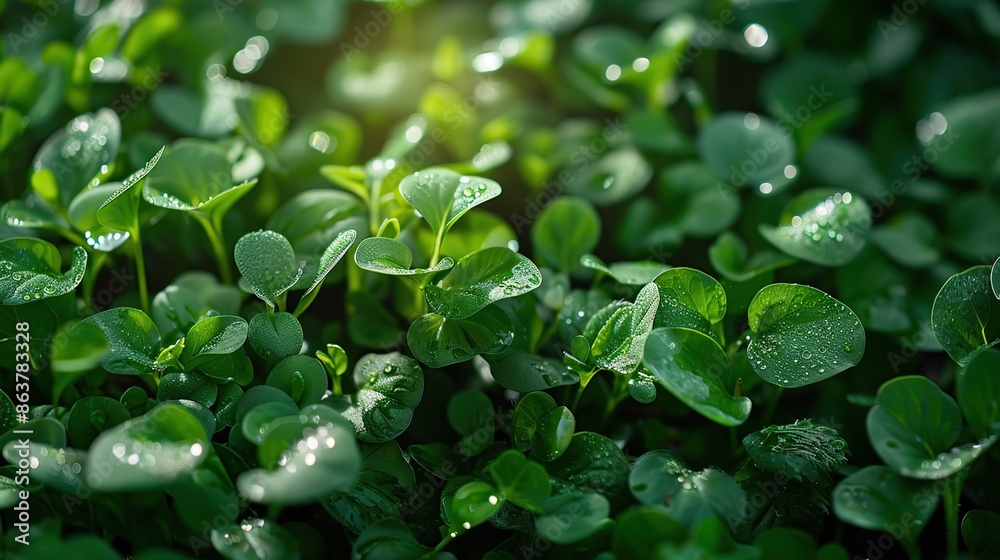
{"type": "Point", "coordinates": [463, 319]}
{"type": "Point", "coordinates": [791, 466]}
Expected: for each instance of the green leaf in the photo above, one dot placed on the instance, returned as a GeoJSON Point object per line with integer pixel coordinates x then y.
{"type": "Point", "coordinates": [661, 478]}
{"type": "Point", "coordinates": [331, 256]}
{"type": "Point", "coordinates": [472, 504]}
{"type": "Point", "coordinates": [914, 426]}
{"type": "Point", "coordinates": [83, 216]}
{"type": "Point", "coordinates": [275, 336]}
{"type": "Point", "coordinates": [644, 528]}
{"type": "Point", "coordinates": [909, 239]}
{"type": "Point", "coordinates": [995, 278]}
{"type": "Point", "coordinates": [962, 310]}
{"type": "Point", "coordinates": [222, 334]}
{"type": "Point", "coordinates": [442, 196]}
{"type": "Point", "coordinates": [728, 255]}
{"type": "Point", "coordinates": [746, 150]}
{"type": "Point", "coordinates": [389, 387]}
{"type": "Point", "coordinates": [524, 372]}
{"type": "Point", "coordinates": [390, 538]}
{"type": "Point", "coordinates": [691, 365]}
{"type": "Point", "coordinates": [968, 138]}
{"type": "Point", "coordinates": [316, 454]}
{"type": "Point", "coordinates": [133, 340]}
{"type": "Point", "coordinates": [570, 518]}
{"type": "Point", "coordinates": [981, 533]}
{"type": "Point", "coordinates": [121, 210]}
{"type": "Point", "coordinates": [691, 299]}
{"type": "Point", "coordinates": [615, 177]}
{"type": "Point", "coordinates": [802, 450]}
{"type": "Point", "coordinates": [978, 392]}
{"type": "Point", "coordinates": [187, 386]}
{"type": "Point", "coordinates": [32, 212]}
{"type": "Point", "coordinates": [135, 464]}
{"type": "Point", "coordinates": [471, 414]}
{"type": "Point", "coordinates": [521, 481]}
{"type": "Point", "coordinates": [618, 345]}
{"type": "Point", "coordinates": [480, 279]}
{"type": "Point", "coordinates": [31, 269]}
{"type": "Point", "coordinates": [822, 226]}
{"type": "Point", "coordinates": [591, 463]}
{"type": "Point", "coordinates": [254, 539]}
{"type": "Point", "coordinates": [878, 499]}
{"type": "Point", "coordinates": [302, 377]}
{"type": "Point", "coordinates": [438, 341]}
{"type": "Point", "coordinates": [542, 427]}
{"type": "Point", "coordinates": [802, 335]}
{"type": "Point", "coordinates": [78, 153]}
{"type": "Point", "coordinates": [267, 262]}
{"type": "Point", "coordinates": [92, 415]}
{"type": "Point", "coordinates": [8, 414]}
{"type": "Point", "coordinates": [566, 230]}
{"type": "Point", "coordinates": [388, 256]}
{"type": "Point", "coordinates": [638, 273]}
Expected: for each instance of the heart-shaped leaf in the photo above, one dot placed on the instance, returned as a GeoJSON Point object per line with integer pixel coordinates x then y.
{"type": "Point", "coordinates": [31, 269]}
{"type": "Point", "coordinates": [962, 310]}
{"type": "Point", "coordinates": [978, 392]}
{"type": "Point", "coordinates": [480, 279]}
{"type": "Point", "coordinates": [267, 262]}
{"type": "Point", "coordinates": [389, 387]}
{"type": "Point", "coordinates": [223, 334]}
{"type": "Point", "coordinates": [802, 335]}
{"type": "Point", "coordinates": [877, 498]}
{"type": "Point", "coordinates": [691, 365]}
{"type": "Point", "coordinates": [442, 196]}
{"type": "Point", "coordinates": [133, 340]}
{"type": "Point", "coordinates": [822, 226]}
{"type": "Point", "coordinates": [691, 299]}
{"type": "Point", "coordinates": [121, 210]}
{"type": "Point", "coordinates": [438, 341]}
{"type": "Point", "coordinates": [316, 454]}
{"type": "Point", "coordinates": [388, 256]}
{"type": "Point", "coordinates": [567, 229]}
{"type": "Point", "coordinates": [135, 464]}
{"type": "Point", "coordinates": [661, 477]}
{"type": "Point", "coordinates": [275, 336]}
{"type": "Point", "coordinates": [914, 426]}
{"type": "Point", "coordinates": [79, 152]}
{"type": "Point", "coordinates": [520, 480]}
{"type": "Point", "coordinates": [302, 377]}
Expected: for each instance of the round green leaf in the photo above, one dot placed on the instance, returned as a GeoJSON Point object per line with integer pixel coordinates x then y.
{"type": "Point", "coordinates": [190, 386]}
{"type": "Point", "coordinates": [618, 176]}
{"type": "Point", "coordinates": [527, 417]}
{"type": "Point", "coordinates": [520, 480]}
{"type": "Point", "coordinates": [302, 377]}
{"type": "Point", "coordinates": [267, 262]}
{"type": "Point", "coordinates": [962, 310]}
{"type": "Point", "coordinates": [691, 299]}
{"type": "Point", "coordinates": [745, 149]}
{"type": "Point", "coordinates": [570, 518]}
{"type": "Point", "coordinates": [978, 392]}
{"type": "Point", "coordinates": [729, 256]}
{"type": "Point", "coordinates": [442, 196]}
{"type": "Point", "coordinates": [877, 499]}
{"type": "Point", "coordinates": [802, 335]}
{"type": "Point", "coordinates": [691, 365]}
{"type": "Point", "coordinates": [133, 340]}
{"type": "Point", "coordinates": [525, 372]}
{"type": "Point", "coordinates": [318, 455]}
{"type": "Point", "coordinates": [642, 529]}
{"type": "Point", "coordinates": [909, 239]}
{"type": "Point", "coordinates": [471, 414]}
{"type": "Point", "coordinates": [567, 229]}
{"type": "Point", "coordinates": [31, 269]}
{"type": "Point", "coordinates": [592, 463]}
{"type": "Point", "coordinates": [662, 478]}
{"type": "Point", "coordinates": [92, 415]}
{"type": "Point", "coordinates": [254, 539]}
{"type": "Point", "coordinates": [275, 336]}
{"type": "Point", "coordinates": [388, 256]}
{"type": "Point", "coordinates": [223, 334]}
{"type": "Point", "coordinates": [79, 152]}
{"type": "Point", "coordinates": [967, 146]}
{"type": "Point", "coordinates": [389, 387]}
{"type": "Point", "coordinates": [981, 532]}
{"type": "Point", "coordinates": [822, 226]}
{"type": "Point", "coordinates": [914, 426]}
{"type": "Point", "coordinates": [472, 504]}
{"type": "Point", "coordinates": [480, 279]}
{"type": "Point", "coordinates": [150, 451]}
{"type": "Point", "coordinates": [438, 341]}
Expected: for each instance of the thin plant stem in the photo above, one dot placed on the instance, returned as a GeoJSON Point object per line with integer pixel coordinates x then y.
{"type": "Point", "coordinates": [140, 265]}
{"type": "Point", "coordinates": [952, 494]}
{"type": "Point", "coordinates": [214, 233]}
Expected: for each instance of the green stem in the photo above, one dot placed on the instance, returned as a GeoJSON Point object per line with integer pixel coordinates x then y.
{"type": "Point", "coordinates": [549, 332]}
{"type": "Point", "coordinates": [618, 393]}
{"type": "Point", "coordinates": [374, 202]}
{"type": "Point", "coordinates": [214, 233]}
{"type": "Point", "coordinates": [952, 494]}
{"type": "Point", "coordinates": [912, 549]}
{"type": "Point", "coordinates": [438, 240]}
{"type": "Point", "coordinates": [444, 542]}
{"type": "Point", "coordinates": [140, 265]}
{"type": "Point", "coordinates": [337, 387]}
{"type": "Point", "coordinates": [579, 395]}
